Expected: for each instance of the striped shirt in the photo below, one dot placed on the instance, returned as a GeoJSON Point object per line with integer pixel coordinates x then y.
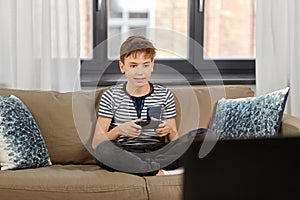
{"type": "Point", "coordinates": [117, 105]}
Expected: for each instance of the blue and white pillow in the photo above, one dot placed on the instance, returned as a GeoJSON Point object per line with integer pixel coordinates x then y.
{"type": "Point", "coordinates": [21, 143]}
{"type": "Point", "coordinates": [250, 117]}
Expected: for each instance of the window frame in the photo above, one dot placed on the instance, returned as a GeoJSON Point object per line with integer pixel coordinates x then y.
{"type": "Point", "coordinates": [231, 71]}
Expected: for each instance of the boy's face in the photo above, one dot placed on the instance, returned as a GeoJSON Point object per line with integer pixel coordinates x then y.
{"type": "Point", "coordinates": [137, 69]}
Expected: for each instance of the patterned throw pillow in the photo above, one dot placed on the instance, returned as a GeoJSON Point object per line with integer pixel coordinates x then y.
{"type": "Point", "coordinates": [21, 143]}
{"type": "Point", "coordinates": [249, 117]}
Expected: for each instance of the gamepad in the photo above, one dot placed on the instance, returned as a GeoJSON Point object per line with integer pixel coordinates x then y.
{"type": "Point", "coordinates": [152, 112]}
{"type": "Point", "coordinates": [151, 124]}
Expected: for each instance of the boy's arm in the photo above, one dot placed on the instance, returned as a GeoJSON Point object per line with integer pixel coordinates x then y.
{"type": "Point", "coordinates": [101, 129]}
{"type": "Point", "coordinates": [169, 129]}
{"type": "Point", "coordinates": [128, 129]}
{"type": "Point", "coordinates": [173, 135]}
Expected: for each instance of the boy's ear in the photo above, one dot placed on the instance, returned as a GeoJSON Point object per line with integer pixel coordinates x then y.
{"type": "Point", "coordinates": [121, 65]}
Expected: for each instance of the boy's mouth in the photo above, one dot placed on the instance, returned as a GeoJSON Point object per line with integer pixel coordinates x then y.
{"type": "Point", "coordinates": [139, 79]}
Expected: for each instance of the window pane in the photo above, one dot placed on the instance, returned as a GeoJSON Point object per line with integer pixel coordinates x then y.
{"type": "Point", "coordinates": [86, 28]}
{"type": "Point", "coordinates": [229, 29]}
{"type": "Point", "coordinates": [129, 15]}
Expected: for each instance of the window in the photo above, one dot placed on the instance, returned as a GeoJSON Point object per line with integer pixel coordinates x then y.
{"type": "Point", "coordinates": [179, 29]}
{"type": "Point", "coordinates": [229, 29]}
{"type": "Point", "coordinates": [86, 29]}
{"type": "Point", "coordinates": [135, 16]}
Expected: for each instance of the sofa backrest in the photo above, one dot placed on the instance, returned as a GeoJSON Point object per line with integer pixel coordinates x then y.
{"type": "Point", "coordinates": [67, 120]}
{"type": "Point", "coordinates": [195, 104]}
{"type": "Point", "coordinates": [53, 113]}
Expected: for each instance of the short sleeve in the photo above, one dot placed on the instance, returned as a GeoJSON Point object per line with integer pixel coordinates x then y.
{"type": "Point", "coordinates": [170, 108]}
{"type": "Point", "coordinates": [106, 105]}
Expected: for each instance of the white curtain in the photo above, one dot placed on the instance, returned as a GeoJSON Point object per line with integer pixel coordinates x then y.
{"type": "Point", "coordinates": [278, 49]}
{"type": "Point", "coordinates": [39, 44]}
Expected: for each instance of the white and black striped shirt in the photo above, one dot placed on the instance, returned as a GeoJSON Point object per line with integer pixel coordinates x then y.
{"type": "Point", "coordinates": [117, 105]}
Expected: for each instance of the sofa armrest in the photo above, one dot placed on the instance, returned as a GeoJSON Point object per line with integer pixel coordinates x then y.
{"type": "Point", "coordinates": [290, 126]}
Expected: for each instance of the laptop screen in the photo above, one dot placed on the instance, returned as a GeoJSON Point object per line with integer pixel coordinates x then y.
{"type": "Point", "coordinates": [244, 169]}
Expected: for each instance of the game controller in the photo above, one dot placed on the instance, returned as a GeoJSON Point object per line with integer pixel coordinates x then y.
{"type": "Point", "coordinates": [150, 124]}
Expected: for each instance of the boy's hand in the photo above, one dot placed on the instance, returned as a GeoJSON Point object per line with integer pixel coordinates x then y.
{"type": "Point", "coordinates": [130, 129]}
{"type": "Point", "coordinates": [163, 129]}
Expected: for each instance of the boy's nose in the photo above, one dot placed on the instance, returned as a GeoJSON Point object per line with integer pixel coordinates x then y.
{"type": "Point", "coordinates": [139, 69]}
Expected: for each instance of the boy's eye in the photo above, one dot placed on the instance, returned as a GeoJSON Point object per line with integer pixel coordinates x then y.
{"type": "Point", "coordinates": [146, 65]}
{"type": "Point", "coordinates": [133, 66]}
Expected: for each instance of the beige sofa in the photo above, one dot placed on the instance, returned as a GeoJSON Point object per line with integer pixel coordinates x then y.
{"type": "Point", "coordinates": [67, 120]}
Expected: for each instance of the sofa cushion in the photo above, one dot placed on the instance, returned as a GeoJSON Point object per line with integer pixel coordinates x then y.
{"type": "Point", "coordinates": [53, 112]}
{"type": "Point", "coordinates": [70, 182]}
{"type": "Point", "coordinates": [250, 117]}
{"type": "Point", "coordinates": [21, 143]}
{"type": "Point", "coordinates": [165, 187]}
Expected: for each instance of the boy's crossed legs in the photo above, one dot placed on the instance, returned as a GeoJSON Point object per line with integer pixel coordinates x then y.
{"type": "Point", "coordinates": [145, 159]}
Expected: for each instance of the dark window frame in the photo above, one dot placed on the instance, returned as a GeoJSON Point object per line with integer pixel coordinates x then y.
{"type": "Point", "coordinates": [231, 71]}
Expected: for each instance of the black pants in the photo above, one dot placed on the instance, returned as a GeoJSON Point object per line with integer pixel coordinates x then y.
{"type": "Point", "coordinates": [145, 160]}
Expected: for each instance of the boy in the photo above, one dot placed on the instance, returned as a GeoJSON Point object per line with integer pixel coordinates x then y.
{"type": "Point", "coordinates": [120, 142]}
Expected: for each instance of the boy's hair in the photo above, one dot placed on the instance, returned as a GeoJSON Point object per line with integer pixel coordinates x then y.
{"type": "Point", "coordinates": [137, 44]}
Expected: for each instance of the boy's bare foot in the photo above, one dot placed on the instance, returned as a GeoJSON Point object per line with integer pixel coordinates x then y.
{"type": "Point", "coordinates": [160, 173]}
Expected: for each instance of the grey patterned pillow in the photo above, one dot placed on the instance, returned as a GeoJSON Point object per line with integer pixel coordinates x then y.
{"type": "Point", "coordinates": [249, 117]}
{"type": "Point", "coordinates": [21, 143]}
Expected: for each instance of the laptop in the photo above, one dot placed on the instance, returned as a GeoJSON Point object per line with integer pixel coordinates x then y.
{"type": "Point", "coordinates": [244, 169]}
